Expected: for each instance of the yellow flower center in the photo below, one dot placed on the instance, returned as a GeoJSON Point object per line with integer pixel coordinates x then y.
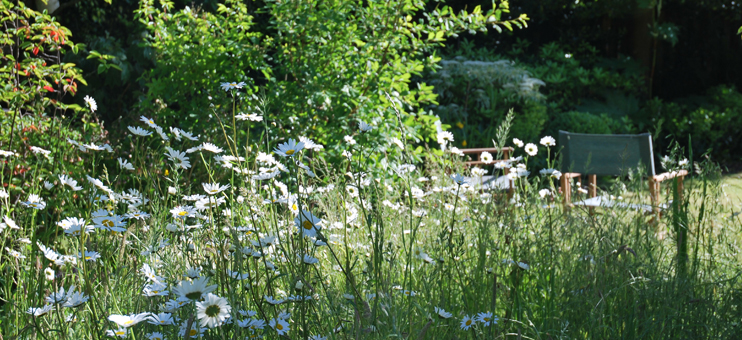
{"type": "Point", "coordinates": [129, 322]}
{"type": "Point", "coordinates": [182, 213]}
{"type": "Point", "coordinates": [120, 332]}
{"type": "Point", "coordinates": [212, 311]}
{"type": "Point", "coordinates": [486, 319]}
{"type": "Point", "coordinates": [307, 225]}
{"type": "Point", "coordinates": [192, 332]}
{"type": "Point", "coordinates": [279, 327]}
{"type": "Point", "coordinates": [290, 152]}
{"type": "Point", "coordinates": [107, 223]}
{"type": "Point", "coordinates": [468, 322]}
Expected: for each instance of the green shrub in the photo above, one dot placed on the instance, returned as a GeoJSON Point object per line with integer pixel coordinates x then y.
{"type": "Point", "coordinates": [584, 122]}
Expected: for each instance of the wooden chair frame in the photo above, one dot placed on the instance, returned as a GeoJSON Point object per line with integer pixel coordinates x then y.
{"type": "Point", "coordinates": [506, 151]}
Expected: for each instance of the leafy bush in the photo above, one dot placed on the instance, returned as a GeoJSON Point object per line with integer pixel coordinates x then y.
{"type": "Point", "coordinates": [306, 70]}
{"type": "Point", "coordinates": [712, 122]}
{"type": "Point", "coordinates": [584, 122]}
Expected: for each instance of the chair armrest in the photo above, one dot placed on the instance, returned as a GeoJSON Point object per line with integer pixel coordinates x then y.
{"type": "Point", "coordinates": [670, 175]}
{"type": "Point", "coordinates": [572, 175]}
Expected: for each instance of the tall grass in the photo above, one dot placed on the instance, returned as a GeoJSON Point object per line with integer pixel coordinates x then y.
{"type": "Point", "coordinates": [397, 255]}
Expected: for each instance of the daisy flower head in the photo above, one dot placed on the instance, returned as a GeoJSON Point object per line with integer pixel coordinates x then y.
{"type": "Point", "coordinates": [352, 190]}
{"type": "Point", "coordinates": [486, 318]}
{"type": "Point", "coordinates": [64, 180]}
{"type": "Point", "coordinates": [181, 212]}
{"type": "Point", "coordinates": [442, 313]}
{"type": "Point", "coordinates": [15, 253]}
{"type": "Point", "coordinates": [40, 311]}
{"type": "Point", "coordinates": [155, 336]}
{"type": "Point", "coordinates": [139, 131]}
{"type": "Point", "coordinates": [548, 141]}
{"type": "Point", "coordinates": [308, 224]}
{"type": "Point", "coordinates": [467, 322]}
{"type": "Point", "coordinates": [75, 299]}
{"type": "Point", "coordinates": [212, 311]}
{"type": "Point", "coordinates": [214, 188]}
{"type": "Point", "coordinates": [349, 140]}
{"type": "Point", "coordinates": [125, 165]}
{"type": "Point", "coordinates": [683, 163]}
{"type": "Point", "coordinates": [280, 325]}
{"type": "Point", "coordinates": [127, 321]}
{"type": "Point", "coordinates": [148, 121]}
{"type": "Point", "coordinates": [458, 179]}
{"type": "Point", "coordinates": [308, 259]}
{"type": "Point", "coordinates": [90, 102]}
{"type": "Point", "coordinates": [486, 157]}
{"type": "Point", "coordinates": [49, 274]}
{"type": "Point", "coordinates": [7, 153]}
{"type": "Point", "coordinates": [289, 149]}
{"type": "Point", "coordinates": [38, 150]}
{"type": "Point", "coordinates": [195, 289]}
{"type": "Point", "coordinates": [518, 142]}
{"type": "Point", "coordinates": [445, 137]}
{"type": "Point", "coordinates": [253, 117]}
{"type": "Point", "coordinates": [365, 127]}
{"type": "Point", "coordinates": [544, 192]}
{"type": "Point", "coordinates": [232, 85]}
{"type": "Point", "coordinates": [396, 141]}
{"type": "Point", "coordinates": [531, 149]}
{"type": "Point", "coordinates": [117, 333]}
{"type": "Point", "coordinates": [211, 148]}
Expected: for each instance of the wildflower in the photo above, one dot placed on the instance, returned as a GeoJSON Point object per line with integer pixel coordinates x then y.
{"type": "Point", "coordinates": [531, 149]}
{"type": "Point", "coordinates": [478, 172]}
{"type": "Point", "coordinates": [89, 256]}
{"type": "Point", "coordinates": [75, 299]}
{"type": "Point", "coordinates": [683, 163]}
{"type": "Point", "coordinates": [456, 151]}
{"type": "Point", "coordinates": [352, 190]}
{"type": "Point", "coordinates": [49, 274]}
{"type": "Point", "coordinates": [349, 140]}
{"type": "Point", "coordinates": [306, 168]}
{"type": "Point", "coordinates": [212, 311]}
{"type": "Point", "coordinates": [251, 117]}
{"type": "Point", "coordinates": [365, 127]}
{"type": "Point", "coordinates": [113, 223]}
{"type": "Point", "coordinates": [155, 289]}
{"type": "Point", "coordinates": [37, 150]}
{"type": "Point", "coordinates": [518, 142]}
{"type": "Point", "coordinates": [232, 85]}
{"type": "Point", "coordinates": [544, 192]}
{"type": "Point", "coordinates": [280, 325]}
{"type": "Point", "coordinates": [59, 296]}
{"type": "Point", "coordinates": [273, 301]}
{"type": "Point", "coordinates": [7, 153]}
{"type": "Point", "coordinates": [548, 141]}
{"type": "Point", "coordinates": [442, 313]}
{"type": "Point", "coordinates": [308, 224]}
{"type": "Point", "coordinates": [40, 311]}
{"type": "Point", "coordinates": [90, 102]}
{"type": "Point", "coordinates": [524, 265]}
{"type": "Point", "coordinates": [211, 148]}
{"type": "Point", "coordinates": [486, 318]}
{"type": "Point", "coordinates": [289, 148]}
{"type": "Point", "coordinates": [121, 332]}
{"type": "Point", "coordinates": [467, 322]}
{"type": "Point", "coordinates": [128, 320]}
{"type": "Point", "coordinates": [310, 259]}
{"type": "Point", "coordinates": [209, 202]}
{"type": "Point", "coordinates": [139, 131]}
{"type": "Point", "coordinates": [179, 158]}
{"type": "Point", "coordinates": [193, 333]}
{"type": "Point", "coordinates": [139, 215]}
{"type": "Point", "coordinates": [75, 226]}
{"type": "Point", "coordinates": [155, 336]}
{"type": "Point", "coordinates": [64, 180]}
{"type": "Point", "coordinates": [317, 337]}
{"type": "Point", "coordinates": [445, 137]}
{"type": "Point", "coordinates": [213, 189]}
{"type": "Point", "coordinates": [194, 289]}
{"type": "Point", "coordinates": [238, 275]}
{"type": "Point", "coordinates": [409, 293]}
{"type": "Point", "coordinates": [486, 157]}
{"type": "Point", "coordinates": [181, 212]}
{"type": "Point", "coordinates": [458, 179]}
{"type": "Point", "coordinates": [15, 254]}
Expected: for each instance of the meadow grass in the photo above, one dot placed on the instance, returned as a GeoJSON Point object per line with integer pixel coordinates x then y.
{"type": "Point", "coordinates": [185, 239]}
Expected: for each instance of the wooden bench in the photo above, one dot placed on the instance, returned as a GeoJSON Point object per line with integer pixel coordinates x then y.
{"type": "Point", "coordinates": [506, 152]}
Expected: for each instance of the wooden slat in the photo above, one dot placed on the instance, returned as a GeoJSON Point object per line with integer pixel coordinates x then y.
{"type": "Point", "coordinates": [669, 175]}
{"type": "Point", "coordinates": [490, 150]}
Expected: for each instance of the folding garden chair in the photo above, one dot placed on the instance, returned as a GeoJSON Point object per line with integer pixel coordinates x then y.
{"type": "Point", "coordinates": [612, 155]}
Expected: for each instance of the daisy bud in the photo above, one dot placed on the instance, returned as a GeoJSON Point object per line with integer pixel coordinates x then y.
{"type": "Point", "coordinates": [171, 191]}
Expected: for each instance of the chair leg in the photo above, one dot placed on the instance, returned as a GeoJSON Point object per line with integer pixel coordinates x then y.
{"type": "Point", "coordinates": [566, 185]}
{"type": "Point", "coordinates": [592, 189]}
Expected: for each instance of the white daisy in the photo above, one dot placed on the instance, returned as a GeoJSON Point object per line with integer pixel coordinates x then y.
{"type": "Point", "coordinates": [396, 141]}
{"type": "Point", "coordinates": [90, 102]}
{"type": "Point", "coordinates": [289, 149]}
{"type": "Point", "coordinates": [162, 319]}
{"type": "Point", "coordinates": [518, 142]}
{"type": "Point", "coordinates": [195, 289]}
{"type": "Point", "coordinates": [365, 127]}
{"type": "Point", "coordinates": [40, 311]}
{"type": "Point", "coordinates": [212, 311]}
{"type": "Point", "coordinates": [531, 149]}
{"type": "Point", "coordinates": [148, 121]}
{"type": "Point", "coordinates": [127, 321]}
{"type": "Point", "coordinates": [139, 131]}
{"type": "Point", "coordinates": [44, 152]}
{"type": "Point", "coordinates": [458, 179]}
{"type": "Point", "coordinates": [64, 180]}
{"type": "Point", "coordinates": [215, 188]}
{"type": "Point", "coordinates": [121, 332]}
{"type": "Point", "coordinates": [308, 224]}
{"type": "Point", "coordinates": [280, 325]}
{"type": "Point", "coordinates": [486, 318]}
{"type": "Point", "coordinates": [445, 137]}
{"type": "Point", "coordinates": [486, 157]}
{"type": "Point", "coordinates": [155, 336]}
{"type": "Point", "coordinates": [467, 322]}
{"type": "Point", "coordinates": [254, 117]}
{"type": "Point", "coordinates": [125, 165]}
{"type": "Point", "coordinates": [442, 313]}
{"type": "Point", "coordinates": [232, 85]}
{"type": "Point", "coordinates": [548, 141]}
{"type": "Point", "coordinates": [211, 148]}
